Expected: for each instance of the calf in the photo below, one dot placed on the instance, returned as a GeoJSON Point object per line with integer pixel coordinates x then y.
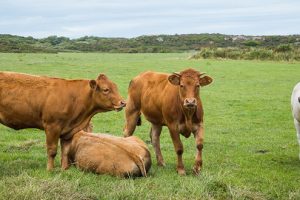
{"type": "Point", "coordinates": [58, 106]}
{"type": "Point", "coordinates": [295, 101]}
{"type": "Point", "coordinates": [170, 100]}
{"type": "Point", "coordinates": [106, 154]}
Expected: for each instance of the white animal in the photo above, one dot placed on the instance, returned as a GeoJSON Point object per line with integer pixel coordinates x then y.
{"type": "Point", "coordinates": [295, 100]}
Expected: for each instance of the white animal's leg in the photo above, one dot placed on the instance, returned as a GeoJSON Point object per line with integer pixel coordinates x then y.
{"type": "Point", "coordinates": [297, 126]}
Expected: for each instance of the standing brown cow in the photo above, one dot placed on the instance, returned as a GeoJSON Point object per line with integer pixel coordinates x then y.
{"type": "Point", "coordinates": [170, 100]}
{"type": "Point", "coordinates": [58, 106]}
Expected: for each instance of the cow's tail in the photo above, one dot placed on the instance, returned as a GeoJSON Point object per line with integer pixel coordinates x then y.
{"type": "Point", "coordinates": [139, 121]}
{"type": "Point", "coordinates": [137, 160]}
{"type": "Point", "coordinates": [140, 163]}
{"type": "Point", "coordinates": [299, 99]}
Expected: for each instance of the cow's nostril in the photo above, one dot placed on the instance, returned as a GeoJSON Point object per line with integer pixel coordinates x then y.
{"type": "Point", "coordinates": [123, 103]}
{"type": "Point", "coordinates": [190, 102]}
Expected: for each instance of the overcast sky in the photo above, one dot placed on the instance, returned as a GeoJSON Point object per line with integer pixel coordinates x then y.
{"type": "Point", "coordinates": [130, 18]}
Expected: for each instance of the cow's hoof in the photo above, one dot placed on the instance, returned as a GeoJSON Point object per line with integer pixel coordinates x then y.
{"type": "Point", "coordinates": [65, 167]}
{"type": "Point", "coordinates": [181, 172]}
{"type": "Point", "coordinates": [50, 168]}
{"type": "Point", "coordinates": [196, 171]}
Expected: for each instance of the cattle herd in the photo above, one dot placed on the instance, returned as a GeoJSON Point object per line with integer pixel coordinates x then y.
{"type": "Point", "coordinates": [64, 108]}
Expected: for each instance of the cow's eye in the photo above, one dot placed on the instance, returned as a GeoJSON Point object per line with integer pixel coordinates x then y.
{"type": "Point", "coordinates": [105, 90]}
{"type": "Point", "coordinates": [197, 86]}
{"type": "Point", "coordinates": [181, 86]}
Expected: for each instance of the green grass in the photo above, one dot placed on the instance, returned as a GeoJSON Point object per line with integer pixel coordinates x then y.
{"type": "Point", "coordinates": [250, 149]}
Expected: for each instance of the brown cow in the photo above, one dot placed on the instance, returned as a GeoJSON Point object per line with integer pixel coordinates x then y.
{"type": "Point", "coordinates": [170, 100]}
{"type": "Point", "coordinates": [58, 106]}
{"type": "Point", "coordinates": [107, 154]}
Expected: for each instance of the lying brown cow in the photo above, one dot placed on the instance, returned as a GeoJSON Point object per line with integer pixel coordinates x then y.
{"type": "Point", "coordinates": [106, 154]}
{"type": "Point", "coordinates": [170, 100]}
{"type": "Point", "coordinates": [58, 106]}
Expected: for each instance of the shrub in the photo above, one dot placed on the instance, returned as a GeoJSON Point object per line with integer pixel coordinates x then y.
{"type": "Point", "coordinates": [283, 48]}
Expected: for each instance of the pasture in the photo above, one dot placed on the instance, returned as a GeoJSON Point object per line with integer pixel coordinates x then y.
{"type": "Point", "coordinates": [250, 147]}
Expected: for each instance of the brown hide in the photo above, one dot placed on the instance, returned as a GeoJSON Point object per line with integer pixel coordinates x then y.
{"type": "Point", "coordinates": [89, 127]}
{"type": "Point", "coordinates": [106, 154]}
{"type": "Point", "coordinates": [170, 100]}
{"type": "Point", "coordinates": [60, 107]}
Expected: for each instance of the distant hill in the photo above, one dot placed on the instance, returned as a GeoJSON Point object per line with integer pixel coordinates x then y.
{"type": "Point", "coordinates": [141, 44]}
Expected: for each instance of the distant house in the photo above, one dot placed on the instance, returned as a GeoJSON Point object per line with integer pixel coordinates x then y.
{"type": "Point", "coordinates": [239, 38]}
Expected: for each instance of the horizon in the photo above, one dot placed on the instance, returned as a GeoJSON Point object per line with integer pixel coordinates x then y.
{"type": "Point", "coordinates": [283, 35]}
{"type": "Point", "coordinates": [130, 19]}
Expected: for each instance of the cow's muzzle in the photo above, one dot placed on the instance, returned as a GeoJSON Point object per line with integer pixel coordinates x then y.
{"type": "Point", "coordinates": [121, 105]}
{"type": "Point", "coordinates": [190, 103]}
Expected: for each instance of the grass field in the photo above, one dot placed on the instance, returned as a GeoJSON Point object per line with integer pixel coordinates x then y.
{"type": "Point", "coordinates": [250, 147]}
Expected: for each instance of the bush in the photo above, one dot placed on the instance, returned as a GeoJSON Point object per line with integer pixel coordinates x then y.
{"type": "Point", "coordinates": [234, 54]}
{"type": "Point", "coordinates": [283, 48]}
{"type": "Point", "coordinates": [251, 43]}
{"type": "Point", "coordinates": [220, 53]}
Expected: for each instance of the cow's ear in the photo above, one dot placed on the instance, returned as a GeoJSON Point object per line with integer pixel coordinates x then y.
{"type": "Point", "coordinates": [93, 84]}
{"type": "Point", "coordinates": [102, 76]}
{"type": "Point", "coordinates": [205, 80]}
{"type": "Point", "coordinates": [174, 79]}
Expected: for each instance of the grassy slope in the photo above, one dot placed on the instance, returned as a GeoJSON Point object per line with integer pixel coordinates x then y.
{"type": "Point", "coordinates": [250, 149]}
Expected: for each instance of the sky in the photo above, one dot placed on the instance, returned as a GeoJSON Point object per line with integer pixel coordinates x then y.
{"type": "Point", "coordinates": [132, 18]}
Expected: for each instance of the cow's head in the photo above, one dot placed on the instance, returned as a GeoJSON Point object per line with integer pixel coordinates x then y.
{"type": "Point", "coordinates": [189, 82]}
{"type": "Point", "coordinates": [106, 94]}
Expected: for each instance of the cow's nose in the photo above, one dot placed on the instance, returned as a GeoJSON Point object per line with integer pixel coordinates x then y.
{"type": "Point", "coordinates": [122, 103]}
{"type": "Point", "coordinates": [190, 102]}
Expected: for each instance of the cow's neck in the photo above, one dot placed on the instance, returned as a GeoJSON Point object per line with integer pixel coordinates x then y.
{"type": "Point", "coordinates": [91, 107]}
{"type": "Point", "coordinates": [84, 112]}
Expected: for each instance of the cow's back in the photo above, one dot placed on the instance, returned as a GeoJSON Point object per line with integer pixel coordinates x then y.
{"type": "Point", "coordinates": [103, 158]}
{"type": "Point", "coordinates": [28, 101]}
{"type": "Point", "coordinates": [105, 154]}
{"type": "Point", "coordinates": [22, 98]}
{"type": "Point", "coordinates": [132, 145]}
{"type": "Point", "coordinates": [153, 94]}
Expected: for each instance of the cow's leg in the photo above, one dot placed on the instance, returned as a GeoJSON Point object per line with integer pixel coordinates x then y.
{"type": "Point", "coordinates": [199, 137]}
{"type": "Point", "coordinates": [297, 126]}
{"type": "Point", "coordinates": [65, 147]}
{"type": "Point", "coordinates": [52, 137]}
{"type": "Point", "coordinates": [155, 138]}
{"type": "Point", "coordinates": [132, 114]}
{"type": "Point", "coordinates": [178, 149]}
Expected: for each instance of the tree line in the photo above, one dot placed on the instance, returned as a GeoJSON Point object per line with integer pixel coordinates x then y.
{"type": "Point", "coordinates": [143, 44]}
